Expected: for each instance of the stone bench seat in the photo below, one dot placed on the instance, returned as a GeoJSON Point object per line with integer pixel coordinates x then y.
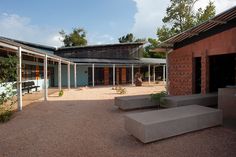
{"type": "Point", "coordinates": [194, 99]}
{"type": "Point", "coordinates": [160, 124]}
{"type": "Point", "coordinates": [134, 102]}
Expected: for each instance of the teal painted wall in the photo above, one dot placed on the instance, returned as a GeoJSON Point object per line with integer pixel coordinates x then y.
{"type": "Point", "coordinates": [64, 75]}
{"type": "Point", "coordinates": [81, 75]}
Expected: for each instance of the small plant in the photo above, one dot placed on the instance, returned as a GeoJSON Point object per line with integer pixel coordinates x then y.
{"type": "Point", "coordinates": [5, 116]}
{"type": "Point", "coordinates": [61, 93]}
{"type": "Point", "coordinates": [8, 75]}
{"type": "Point", "coordinates": [121, 90]}
{"type": "Point", "coordinates": [158, 98]}
{"type": "Point", "coordinates": [114, 88]}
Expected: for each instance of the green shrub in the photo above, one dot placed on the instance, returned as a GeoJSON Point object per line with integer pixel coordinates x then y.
{"type": "Point", "coordinates": [114, 88]}
{"type": "Point", "coordinates": [157, 97]}
{"type": "Point", "coordinates": [121, 90]}
{"type": "Point", "coordinates": [5, 116]}
{"type": "Point", "coordinates": [61, 93]}
{"type": "Point", "coordinates": [8, 75]}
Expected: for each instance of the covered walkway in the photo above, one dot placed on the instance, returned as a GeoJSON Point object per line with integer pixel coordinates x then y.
{"type": "Point", "coordinates": [43, 65]}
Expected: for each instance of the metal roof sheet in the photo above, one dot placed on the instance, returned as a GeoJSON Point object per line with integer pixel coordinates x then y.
{"type": "Point", "coordinates": [39, 51]}
{"type": "Point", "coordinates": [102, 45]}
{"type": "Point", "coordinates": [219, 19]}
{"type": "Point", "coordinates": [120, 61]}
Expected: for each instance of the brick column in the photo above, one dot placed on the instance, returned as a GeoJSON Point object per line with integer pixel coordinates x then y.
{"type": "Point", "coordinates": [204, 73]}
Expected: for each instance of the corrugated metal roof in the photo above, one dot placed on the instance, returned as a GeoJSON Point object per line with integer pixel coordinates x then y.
{"type": "Point", "coordinates": [219, 19]}
{"type": "Point", "coordinates": [39, 51]}
{"type": "Point", "coordinates": [49, 49]}
{"type": "Point", "coordinates": [120, 61]}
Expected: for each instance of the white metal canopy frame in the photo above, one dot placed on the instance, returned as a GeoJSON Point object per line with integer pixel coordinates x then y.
{"type": "Point", "coordinates": [19, 49]}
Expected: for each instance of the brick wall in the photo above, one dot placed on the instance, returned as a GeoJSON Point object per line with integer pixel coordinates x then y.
{"type": "Point", "coordinates": [181, 64]}
{"type": "Point", "coordinates": [180, 72]}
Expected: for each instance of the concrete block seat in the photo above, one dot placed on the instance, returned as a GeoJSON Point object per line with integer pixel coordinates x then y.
{"type": "Point", "coordinates": [134, 102]}
{"type": "Point", "coordinates": [160, 124]}
{"type": "Point", "coordinates": [195, 99]}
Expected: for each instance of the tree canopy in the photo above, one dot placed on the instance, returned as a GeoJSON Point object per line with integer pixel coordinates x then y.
{"type": "Point", "coordinates": [8, 74]}
{"type": "Point", "coordinates": [181, 15]}
{"type": "Point", "coordinates": [76, 38]}
{"type": "Point", "coordinates": [129, 38]}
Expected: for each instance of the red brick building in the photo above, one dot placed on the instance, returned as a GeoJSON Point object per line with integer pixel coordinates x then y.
{"type": "Point", "coordinates": [203, 58]}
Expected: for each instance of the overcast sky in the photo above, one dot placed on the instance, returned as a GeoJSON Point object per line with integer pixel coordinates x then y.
{"type": "Point", "coordinates": [104, 20]}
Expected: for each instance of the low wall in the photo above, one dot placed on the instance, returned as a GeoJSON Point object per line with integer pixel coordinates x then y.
{"type": "Point", "coordinates": [135, 102]}
{"type": "Point", "coordinates": [39, 82]}
{"type": "Point", "coordinates": [227, 102]}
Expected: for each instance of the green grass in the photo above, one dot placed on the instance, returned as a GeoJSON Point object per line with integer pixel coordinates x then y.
{"type": "Point", "coordinates": [5, 116]}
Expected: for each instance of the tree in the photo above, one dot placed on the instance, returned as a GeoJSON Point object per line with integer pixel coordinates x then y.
{"type": "Point", "coordinates": [205, 14]}
{"type": "Point", "coordinates": [164, 33]}
{"type": "Point", "coordinates": [76, 38]}
{"type": "Point", "coordinates": [180, 16]}
{"type": "Point", "coordinates": [148, 53]}
{"type": "Point", "coordinates": [129, 38]}
{"type": "Point", "coordinates": [8, 75]}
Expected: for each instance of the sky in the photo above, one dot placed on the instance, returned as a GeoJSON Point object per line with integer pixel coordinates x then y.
{"type": "Point", "coordinates": [104, 20]}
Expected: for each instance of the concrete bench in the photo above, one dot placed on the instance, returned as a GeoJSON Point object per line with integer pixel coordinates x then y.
{"type": "Point", "coordinates": [134, 102]}
{"type": "Point", "coordinates": [198, 99]}
{"type": "Point", "coordinates": [160, 124]}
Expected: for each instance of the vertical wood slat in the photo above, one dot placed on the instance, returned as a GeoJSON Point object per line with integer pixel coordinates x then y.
{"type": "Point", "coordinates": [123, 75]}
{"type": "Point", "coordinates": [106, 75]}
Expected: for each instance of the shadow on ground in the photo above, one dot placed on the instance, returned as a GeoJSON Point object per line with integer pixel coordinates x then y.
{"type": "Point", "coordinates": [96, 128]}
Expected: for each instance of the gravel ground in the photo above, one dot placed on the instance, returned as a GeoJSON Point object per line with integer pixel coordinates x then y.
{"type": "Point", "coordinates": [86, 123]}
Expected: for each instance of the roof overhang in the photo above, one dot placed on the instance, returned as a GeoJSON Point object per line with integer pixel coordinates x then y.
{"type": "Point", "coordinates": [219, 19]}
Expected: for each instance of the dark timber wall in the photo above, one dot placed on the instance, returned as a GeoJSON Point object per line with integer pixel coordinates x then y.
{"type": "Point", "coordinates": [132, 51]}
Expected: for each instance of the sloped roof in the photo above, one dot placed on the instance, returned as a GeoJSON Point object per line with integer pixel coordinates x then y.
{"type": "Point", "coordinates": [49, 49]}
{"type": "Point", "coordinates": [220, 19]}
{"type": "Point", "coordinates": [102, 45]}
{"type": "Point", "coordinates": [37, 50]}
{"type": "Point", "coordinates": [120, 61]}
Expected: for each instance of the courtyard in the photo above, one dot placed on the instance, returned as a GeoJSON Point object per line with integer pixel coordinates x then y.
{"type": "Point", "coordinates": [85, 122]}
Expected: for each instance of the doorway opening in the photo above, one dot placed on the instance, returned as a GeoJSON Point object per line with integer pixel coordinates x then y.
{"type": "Point", "coordinates": [222, 71]}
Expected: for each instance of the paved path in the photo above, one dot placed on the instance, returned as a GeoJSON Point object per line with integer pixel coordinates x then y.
{"type": "Point", "coordinates": [86, 123]}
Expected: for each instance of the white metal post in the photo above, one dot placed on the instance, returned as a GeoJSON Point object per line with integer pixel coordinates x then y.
{"type": "Point", "coordinates": [19, 80]}
{"type": "Point", "coordinates": [59, 75]}
{"type": "Point", "coordinates": [132, 73]}
{"type": "Point", "coordinates": [93, 74]}
{"type": "Point", "coordinates": [164, 74]}
{"type": "Point", "coordinates": [154, 74]}
{"type": "Point", "coordinates": [149, 73]}
{"type": "Point", "coordinates": [68, 75]}
{"type": "Point", "coordinates": [75, 81]}
{"type": "Point", "coordinates": [114, 74]}
{"type": "Point", "coordinates": [45, 77]}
